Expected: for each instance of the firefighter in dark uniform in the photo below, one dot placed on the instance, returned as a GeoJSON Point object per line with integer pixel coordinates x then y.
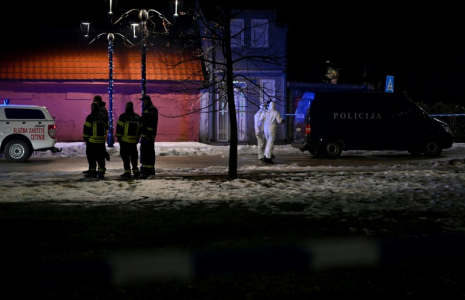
{"type": "Point", "coordinates": [147, 137]}
{"type": "Point", "coordinates": [101, 104]}
{"type": "Point", "coordinates": [95, 131]}
{"type": "Point", "coordinates": [128, 134]}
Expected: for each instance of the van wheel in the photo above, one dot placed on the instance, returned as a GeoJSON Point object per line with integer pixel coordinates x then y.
{"type": "Point", "coordinates": [17, 151]}
{"type": "Point", "coordinates": [432, 148]}
{"type": "Point", "coordinates": [331, 149]}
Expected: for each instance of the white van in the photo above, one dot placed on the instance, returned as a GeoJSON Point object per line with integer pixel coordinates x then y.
{"type": "Point", "coordinates": [25, 129]}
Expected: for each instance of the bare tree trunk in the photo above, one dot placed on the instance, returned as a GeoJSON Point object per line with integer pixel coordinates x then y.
{"type": "Point", "coordinates": [224, 56]}
{"type": "Point", "coordinates": [233, 125]}
{"type": "Point", "coordinates": [231, 101]}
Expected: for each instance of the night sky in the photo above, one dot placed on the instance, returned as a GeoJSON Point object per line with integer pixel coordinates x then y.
{"type": "Point", "coordinates": [421, 46]}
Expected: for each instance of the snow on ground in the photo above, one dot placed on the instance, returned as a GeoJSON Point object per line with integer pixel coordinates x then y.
{"type": "Point", "coordinates": [437, 186]}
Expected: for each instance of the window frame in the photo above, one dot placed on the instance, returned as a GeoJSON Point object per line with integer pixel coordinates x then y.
{"type": "Point", "coordinates": [12, 113]}
{"type": "Point", "coordinates": [259, 29]}
{"type": "Point", "coordinates": [267, 90]}
{"type": "Point", "coordinates": [237, 36]}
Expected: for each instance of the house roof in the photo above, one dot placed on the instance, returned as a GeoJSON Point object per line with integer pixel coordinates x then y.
{"type": "Point", "coordinates": [65, 56]}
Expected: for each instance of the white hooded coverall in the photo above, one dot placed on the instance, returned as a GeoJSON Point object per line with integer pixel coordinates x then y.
{"type": "Point", "coordinates": [259, 133]}
{"type": "Point", "coordinates": [270, 119]}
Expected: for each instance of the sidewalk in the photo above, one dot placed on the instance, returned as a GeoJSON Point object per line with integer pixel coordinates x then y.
{"type": "Point", "coordinates": [77, 149]}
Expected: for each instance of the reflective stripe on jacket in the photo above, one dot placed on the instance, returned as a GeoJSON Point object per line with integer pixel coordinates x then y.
{"type": "Point", "coordinates": [128, 127]}
{"type": "Point", "coordinates": [96, 127]}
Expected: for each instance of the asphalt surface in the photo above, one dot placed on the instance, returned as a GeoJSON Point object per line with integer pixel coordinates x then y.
{"type": "Point", "coordinates": [79, 164]}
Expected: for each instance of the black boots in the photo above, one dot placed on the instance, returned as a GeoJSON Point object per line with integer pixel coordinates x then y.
{"type": "Point", "coordinates": [268, 161]}
{"type": "Point", "coordinates": [146, 172]}
{"type": "Point", "coordinates": [90, 174]}
{"type": "Point", "coordinates": [94, 174]}
{"type": "Point", "coordinates": [126, 175]}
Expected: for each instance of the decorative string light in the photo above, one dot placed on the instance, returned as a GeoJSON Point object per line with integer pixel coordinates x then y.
{"type": "Point", "coordinates": [143, 17]}
{"type": "Point", "coordinates": [110, 38]}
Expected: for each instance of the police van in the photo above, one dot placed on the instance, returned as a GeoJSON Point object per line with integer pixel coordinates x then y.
{"type": "Point", "coordinates": [327, 123]}
{"type": "Point", "coordinates": [25, 129]}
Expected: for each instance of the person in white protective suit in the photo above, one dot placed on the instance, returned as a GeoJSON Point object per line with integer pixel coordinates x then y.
{"type": "Point", "coordinates": [270, 121]}
{"type": "Point", "coordinates": [260, 133]}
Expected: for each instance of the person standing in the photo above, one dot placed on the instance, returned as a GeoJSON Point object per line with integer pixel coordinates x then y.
{"type": "Point", "coordinates": [102, 107]}
{"type": "Point", "coordinates": [128, 134]}
{"type": "Point", "coordinates": [101, 104]}
{"type": "Point", "coordinates": [147, 137]}
{"type": "Point", "coordinates": [94, 134]}
{"type": "Point", "coordinates": [261, 143]}
{"type": "Point", "coordinates": [270, 121]}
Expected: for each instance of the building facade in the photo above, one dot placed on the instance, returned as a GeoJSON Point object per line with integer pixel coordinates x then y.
{"type": "Point", "coordinates": [259, 57]}
{"type": "Point", "coordinates": [62, 71]}
{"type": "Point", "coordinates": [59, 69]}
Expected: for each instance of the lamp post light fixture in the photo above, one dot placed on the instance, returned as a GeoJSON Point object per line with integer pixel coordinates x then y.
{"type": "Point", "coordinates": [176, 8]}
{"type": "Point", "coordinates": [135, 27]}
{"type": "Point", "coordinates": [144, 16]}
{"type": "Point", "coordinates": [110, 37]}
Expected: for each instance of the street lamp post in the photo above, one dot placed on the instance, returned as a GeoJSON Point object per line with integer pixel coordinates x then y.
{"type": "Point", "coordinates": [110, 37]}
{"type": "Point", "coordinates": [144, 15]}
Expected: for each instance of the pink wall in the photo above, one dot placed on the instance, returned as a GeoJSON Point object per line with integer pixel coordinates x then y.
{"type": "Point", "coordinates": [70, 103]}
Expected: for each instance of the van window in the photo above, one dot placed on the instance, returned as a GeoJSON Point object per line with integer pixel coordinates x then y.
{"type": "Point", "coordinates": [20, 113]}
{"type": "Point", "coordinates": [408, 110]}
{"type": "Point", "coordinates": [301, 110]}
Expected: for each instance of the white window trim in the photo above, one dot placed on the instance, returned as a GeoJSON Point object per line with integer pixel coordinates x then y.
{"type": "Point", "coordinates": [267, 90]}
{"type": "Point", "coordinates": [237, 33]}
{"type": "Point", "coordinates": [259, 30]}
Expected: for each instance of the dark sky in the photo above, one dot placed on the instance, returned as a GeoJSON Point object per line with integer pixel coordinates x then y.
{"type": "Point", "coordinates": [422, 46]}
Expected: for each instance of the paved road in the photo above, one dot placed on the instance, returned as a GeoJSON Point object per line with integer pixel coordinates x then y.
{"type": "Point", "coordinates": [167, 162]}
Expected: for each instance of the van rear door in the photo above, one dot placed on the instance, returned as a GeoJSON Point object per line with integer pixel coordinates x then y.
{"type": "Point", "coordinates": [300, 120]}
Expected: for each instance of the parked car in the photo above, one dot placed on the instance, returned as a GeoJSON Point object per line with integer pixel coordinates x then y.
{"type": "Point", "coordinates": [328, 123]}
{"type": "Point", "coordinates": [25, 129]}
